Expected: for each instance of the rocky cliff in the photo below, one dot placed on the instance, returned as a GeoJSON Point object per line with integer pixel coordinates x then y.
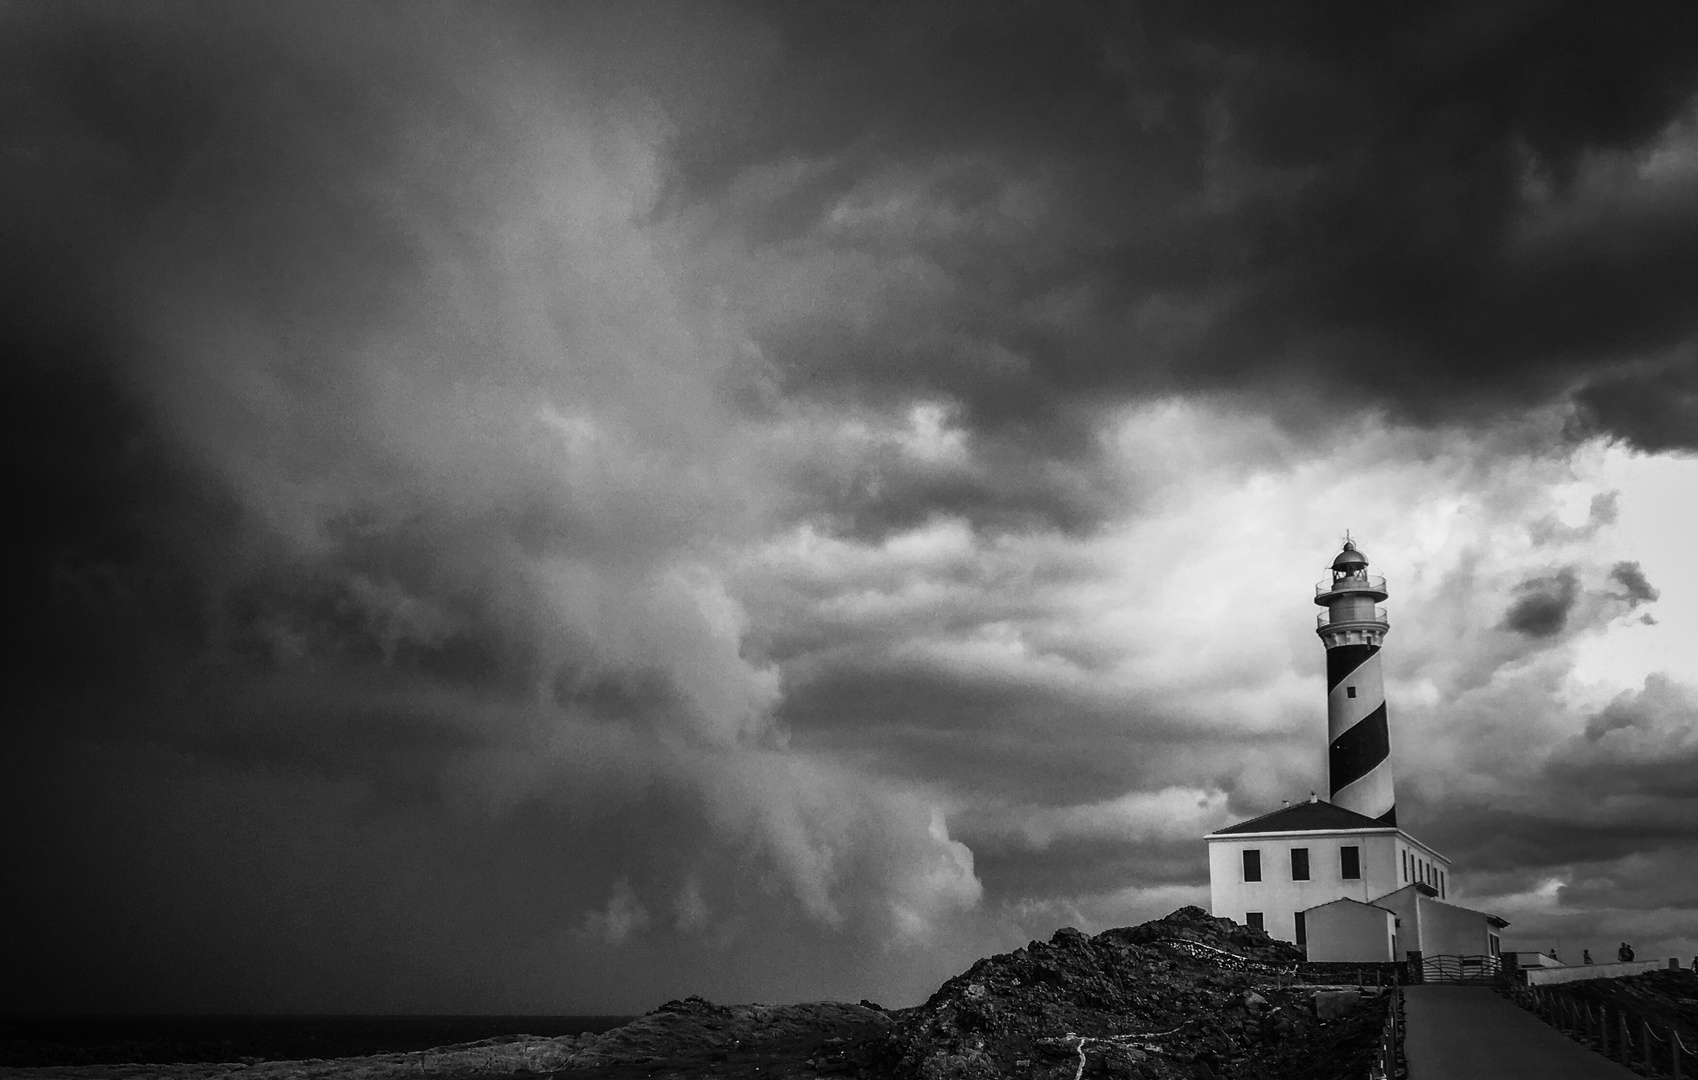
{"type": "Point", "coordinates": [1186, 996]}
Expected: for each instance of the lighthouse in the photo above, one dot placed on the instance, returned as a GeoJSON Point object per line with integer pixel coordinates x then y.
{"type": "Point", "coordinates": [1353, 628]}
{"type": "Point", "coordinates": [1338, 877]}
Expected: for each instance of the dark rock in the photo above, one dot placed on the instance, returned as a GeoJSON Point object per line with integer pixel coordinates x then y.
{"type": "Point", "coordinates": [1184, 997]}
{"type": "Point", "coordinates": [1335, 1004]}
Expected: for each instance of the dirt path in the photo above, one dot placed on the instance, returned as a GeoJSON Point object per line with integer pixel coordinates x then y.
{"type": "Point", "coordinates": [1470, 1033]}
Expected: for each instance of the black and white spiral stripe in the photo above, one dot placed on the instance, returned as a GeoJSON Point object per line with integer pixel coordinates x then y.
{"type": "Point", "coordinates": [1358, 743]}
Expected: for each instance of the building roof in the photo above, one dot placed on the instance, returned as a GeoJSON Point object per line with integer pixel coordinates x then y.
{"type": "Point", "coordinates": [1315, 816]}
{"type": "Point", "coordinates": [1348, 900]}
{"type": "Point", "coordinates": [1349, 559]}
{"type": "Point", "coordinates": [1431, 895]}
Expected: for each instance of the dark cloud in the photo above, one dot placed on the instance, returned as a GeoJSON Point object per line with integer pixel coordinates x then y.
{"type": "Point", "coordinates": [1630, 577]}
{"type": "Point", "coordinates": [1418, 211]}
{"type": "Point", "coordinates": [1644, 743]}
{"type": "Point", "coordinates": [380, 467]}
{"type": "Point", "coordinates": [1529, 843]}
{"type": "Point", "coordinates": [1010, 482]}
{"type": "Point", "coordinates": [1543, 604]}
{"type": "Point", "coordinates": [1083, 868]}
{"type": "Point", "coordinates": [1594, 839]}
{"type": "Point", "coordinates": [395, 403]}
{"type": "Point", "coordinates": [935, 726]}
{"type": "Point", "coordinates": [1652, 407]}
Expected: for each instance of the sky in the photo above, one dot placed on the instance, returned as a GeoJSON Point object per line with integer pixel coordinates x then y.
{"type": "Point", "coordinates": [549, 509]}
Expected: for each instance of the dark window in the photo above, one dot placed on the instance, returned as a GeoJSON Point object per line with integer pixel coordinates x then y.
{"type": "Point", "coordinates": [1253, 918]}
{"type": "Point", "coordinates": [1350, 691]}
{"type": "Point", "coordinates": [1299, 864]}
{"type": "Point", "coordinates": [1405, 855]}
{"type": "Point", "coordinates": [1350, 862]}
{"type": "Point", "coordinates": [1441, 884]}
{"type": "Point", "coordinates": [1302, 931]}
{"type": "Point", "coordinates": [1252, 865]}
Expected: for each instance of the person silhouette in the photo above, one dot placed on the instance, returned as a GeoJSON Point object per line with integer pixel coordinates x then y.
{"type": "Point", "coordinates": [1585, 956]}
{"type": "Point", "coordinates": [1625, 953]}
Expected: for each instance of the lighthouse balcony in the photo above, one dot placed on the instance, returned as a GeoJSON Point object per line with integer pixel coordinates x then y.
{"type": "Point", "coordinates": [1328, 620]}
{"type": "Point", "coordinates": [1373, 585]}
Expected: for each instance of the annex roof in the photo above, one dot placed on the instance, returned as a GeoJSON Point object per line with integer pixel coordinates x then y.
{"type": "Point", "coordinates": [1430, 894]}
{"type": "Point", "coordinates": [1348, 900]}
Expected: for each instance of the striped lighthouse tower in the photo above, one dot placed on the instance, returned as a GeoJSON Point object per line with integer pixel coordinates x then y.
{"type": "Point", "coordinates": [1358, 743]}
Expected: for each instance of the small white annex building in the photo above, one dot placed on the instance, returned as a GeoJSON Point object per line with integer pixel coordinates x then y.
{"type": "Point", "coordinates": [1428, 923]}
{"type": "Point", "coordinates": [1350, 931]}
{"type": "Point", "coordinates": [1338, 877]}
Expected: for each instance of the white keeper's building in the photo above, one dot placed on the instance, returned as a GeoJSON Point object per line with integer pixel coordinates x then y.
{"type": "Point", "coordinates": [1339, 878]}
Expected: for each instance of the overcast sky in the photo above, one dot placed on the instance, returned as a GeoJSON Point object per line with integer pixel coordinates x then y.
{"type": "Point", "coordinates": [554, 509]}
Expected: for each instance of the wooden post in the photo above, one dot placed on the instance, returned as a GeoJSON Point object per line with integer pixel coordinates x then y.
{"type": "Point", "coordinates": [1626, 1043]}
{"type": "Point", "coordinates": [1645, 1031]}
{"type": "Point", "coordinates": [1674, 1052]}
{"type": "Point", "coordinates": [1603, 1030]}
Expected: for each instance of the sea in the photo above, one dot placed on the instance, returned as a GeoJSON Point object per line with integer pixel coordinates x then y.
{"type": "Point", "coordinates": [30, 1041]}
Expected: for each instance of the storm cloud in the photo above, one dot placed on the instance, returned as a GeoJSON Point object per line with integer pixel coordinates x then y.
{"type": "Point", "coordinates": [1631, 578]}
{"type": "Point", "coordinates": [1543, 605]}
{"type": "Point", "coordinates": [560, 507]}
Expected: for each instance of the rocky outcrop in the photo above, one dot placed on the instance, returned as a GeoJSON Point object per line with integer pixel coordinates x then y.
{"type": "Point", "coordinates": [1187, 996]}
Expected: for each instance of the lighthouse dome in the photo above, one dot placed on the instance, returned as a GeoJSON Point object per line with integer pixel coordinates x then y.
{"type": "Point", "coordinates": [1349, 559]}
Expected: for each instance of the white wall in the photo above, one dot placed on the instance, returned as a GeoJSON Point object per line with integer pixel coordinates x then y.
{"type": "Point", "coordinates": [1423, 865]}
{"type": "Point", "coordinates": [1437, 928]}
{"type": "Point", "coordinates": [1344, 932]}
{"type": "Point", "coordinates": [1536, 959]}
{"type": "Point", "coordinates": [1277, 896]}
{"type": "Point", "coordinates": [1448, 929]}
{"type": "Point", "coordinates": [1582, 972]}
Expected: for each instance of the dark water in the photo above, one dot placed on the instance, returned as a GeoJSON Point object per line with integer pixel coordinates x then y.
{"type": "Point", "coordinates": [111, 1040]}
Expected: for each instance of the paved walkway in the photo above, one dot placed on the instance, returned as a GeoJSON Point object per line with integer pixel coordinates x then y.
{"type": "Point", "coordinates": [1470, 1033]}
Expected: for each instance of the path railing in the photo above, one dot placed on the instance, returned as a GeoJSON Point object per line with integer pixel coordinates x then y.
{"type": "Point", "coordinates": [1388, 1058]}
{"type": "Point", "coordinates": [1479, 969]}
{"type": "Point", "coordinates": [1613, 1031]}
